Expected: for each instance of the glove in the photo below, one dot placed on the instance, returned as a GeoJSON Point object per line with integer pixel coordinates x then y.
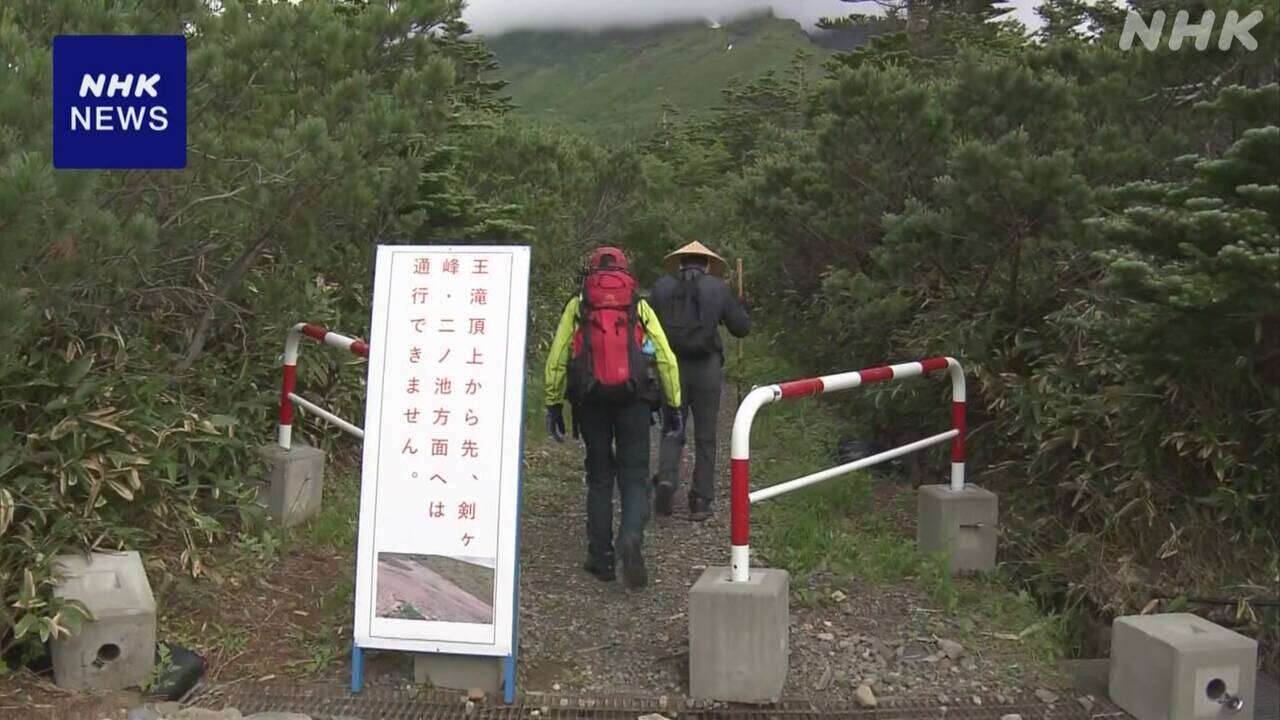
{"type": "Point", "coordinates": [672, 422]}
{"type": "Point", "coordinates": [555, 422]}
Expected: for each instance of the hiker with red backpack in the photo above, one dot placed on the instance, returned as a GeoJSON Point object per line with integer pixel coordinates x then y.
{"type": "Point", "coordinates": [597, 361]}
{"type": "Point", "coordinates": [692, 302]}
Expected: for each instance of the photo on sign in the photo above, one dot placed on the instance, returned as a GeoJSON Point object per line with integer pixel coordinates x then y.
{"type": "Point", "coordinates": [435, 587]}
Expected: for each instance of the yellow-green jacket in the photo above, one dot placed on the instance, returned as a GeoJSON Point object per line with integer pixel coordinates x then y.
{"type": "Point", "coordinates": [558, 359]}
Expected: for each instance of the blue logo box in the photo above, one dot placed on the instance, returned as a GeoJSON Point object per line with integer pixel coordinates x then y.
{"type": "Point", "coordinates": [119, 101]}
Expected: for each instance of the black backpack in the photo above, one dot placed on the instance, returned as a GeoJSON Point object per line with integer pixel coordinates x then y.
{"type": "Point", "coordinates": [689, 334]}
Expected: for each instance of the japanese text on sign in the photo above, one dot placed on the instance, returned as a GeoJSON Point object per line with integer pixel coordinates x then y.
{"type": "Point", "coordinates": [439, 492]}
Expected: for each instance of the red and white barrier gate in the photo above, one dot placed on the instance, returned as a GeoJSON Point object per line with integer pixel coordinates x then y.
{"type": "Point", "coordinates": [288, 397]}
{"type": "Point", "coordinates": [741, 496]}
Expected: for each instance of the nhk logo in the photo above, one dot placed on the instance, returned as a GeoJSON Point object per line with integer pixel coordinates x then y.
{"type": "Point", "coordinates": [119, 101]}
{"type": "Point", "coordinates": [100, 117]}
{"type": "Point", "coordinates": [1234, 28]}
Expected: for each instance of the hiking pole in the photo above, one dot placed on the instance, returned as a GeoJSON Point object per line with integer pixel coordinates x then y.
{"type": "Point", "coordinates": [741, 370]}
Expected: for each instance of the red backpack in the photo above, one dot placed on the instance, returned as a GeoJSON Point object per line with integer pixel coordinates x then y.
{"type": "Point", "coordinates": [607, 363]}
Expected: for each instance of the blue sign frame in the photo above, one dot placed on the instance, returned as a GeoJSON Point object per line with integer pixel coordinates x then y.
{"type": "Point", "coordinates": [509, 675]}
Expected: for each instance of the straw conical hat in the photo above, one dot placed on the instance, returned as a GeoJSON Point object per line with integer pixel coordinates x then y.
{"type": "Point", "coordinates": [715, 263]}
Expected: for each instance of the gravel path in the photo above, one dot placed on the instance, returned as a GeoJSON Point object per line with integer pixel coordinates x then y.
{"type": "Point", "coordinates": [579, 635]}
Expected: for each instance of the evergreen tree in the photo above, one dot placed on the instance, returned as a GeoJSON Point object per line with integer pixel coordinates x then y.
{"type": "Point", "coordinates": [143, 310]}
{"type": "Point", "coordinates": [1093, 232]}
{"type": "Point", "coordinates": [924, 34]}
{"type": "Point", "coordinates": [1194, 286]}
{"type": "Point", "coordinates": [308, 122]}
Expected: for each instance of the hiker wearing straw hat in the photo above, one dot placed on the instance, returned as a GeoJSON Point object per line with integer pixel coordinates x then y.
{"type": "Point", "coordinates": [692, 302]}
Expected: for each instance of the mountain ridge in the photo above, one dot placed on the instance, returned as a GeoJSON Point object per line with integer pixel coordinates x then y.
{"type": "Point", "coordinates": [616, 83]}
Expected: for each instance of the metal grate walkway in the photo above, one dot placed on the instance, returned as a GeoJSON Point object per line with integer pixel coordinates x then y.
{"type": "Point", "coordinates": [332, 701]}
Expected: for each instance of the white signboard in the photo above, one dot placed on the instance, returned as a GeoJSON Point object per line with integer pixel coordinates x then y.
{"type": "Point", "coordinates": [439, 495]}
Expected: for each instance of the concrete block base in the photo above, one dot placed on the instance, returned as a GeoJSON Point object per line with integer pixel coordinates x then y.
{"type": "Point", "coordinates": [117, 649]}
{"type": "Point", "coordinates": [460, 672]}
{"type": "Point", "coordinates": [1179, 665]}
{"type": "Point", "coordinates": [961, 523]}
{"type": "Point", "coordinates": [295, 482]}
{"type": "Point", "coordinates": [738, 636]}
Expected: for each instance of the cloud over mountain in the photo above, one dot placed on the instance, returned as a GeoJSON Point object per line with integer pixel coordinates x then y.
{"type": "Point", "coordinates": [493, 17]}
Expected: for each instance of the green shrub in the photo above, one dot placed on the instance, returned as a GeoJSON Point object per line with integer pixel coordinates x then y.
{"type": "Point", "coordinates": [1111, 295]}
{"type": "Point", "coordinates": [144, 311]}
{"type": "Point", "coordinates": [98, 455]}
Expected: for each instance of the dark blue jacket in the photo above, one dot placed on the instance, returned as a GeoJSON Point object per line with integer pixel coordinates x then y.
{"type": "Point", "coordinates": [716, 302]}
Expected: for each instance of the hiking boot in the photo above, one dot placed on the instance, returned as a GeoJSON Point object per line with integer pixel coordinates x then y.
{"type": "Point", "coordinates": [634, 573]}
{"type": "Point", "coordinates": [601, 569]}
{"type": "Point", "coordinates": [663, 494]}
{"type": "Point", "coordinates": [699, 509]}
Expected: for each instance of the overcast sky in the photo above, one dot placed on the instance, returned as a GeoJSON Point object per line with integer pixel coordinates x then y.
{"type": "Point", "coordinates": [493, 17]}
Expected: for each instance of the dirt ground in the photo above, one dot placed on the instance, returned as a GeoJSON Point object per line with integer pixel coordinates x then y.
{"type": "Point", "coordinates": [577, 634]}
{"type": "Point", "coordinates": [581, 635]}
{"type": "Point", "coordinates": [25, 696]}
{"type": "Point", "coordinates": [247, 625]}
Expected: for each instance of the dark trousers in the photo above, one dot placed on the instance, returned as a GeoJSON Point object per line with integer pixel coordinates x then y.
{"type": "Point", "coordinates": [617, 440]}
{"type": "Point", "coordinates": [700, 381]}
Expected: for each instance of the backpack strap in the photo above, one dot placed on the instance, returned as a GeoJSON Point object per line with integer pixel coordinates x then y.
{"type": "Point", "coordinates": [584, 309]}
{"type": "Point", "coordinates": [633, 319]}
{"type": "Point", "coordinates": [634, 353]}
{"type": "Point", "coordinates": [579, 381]}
